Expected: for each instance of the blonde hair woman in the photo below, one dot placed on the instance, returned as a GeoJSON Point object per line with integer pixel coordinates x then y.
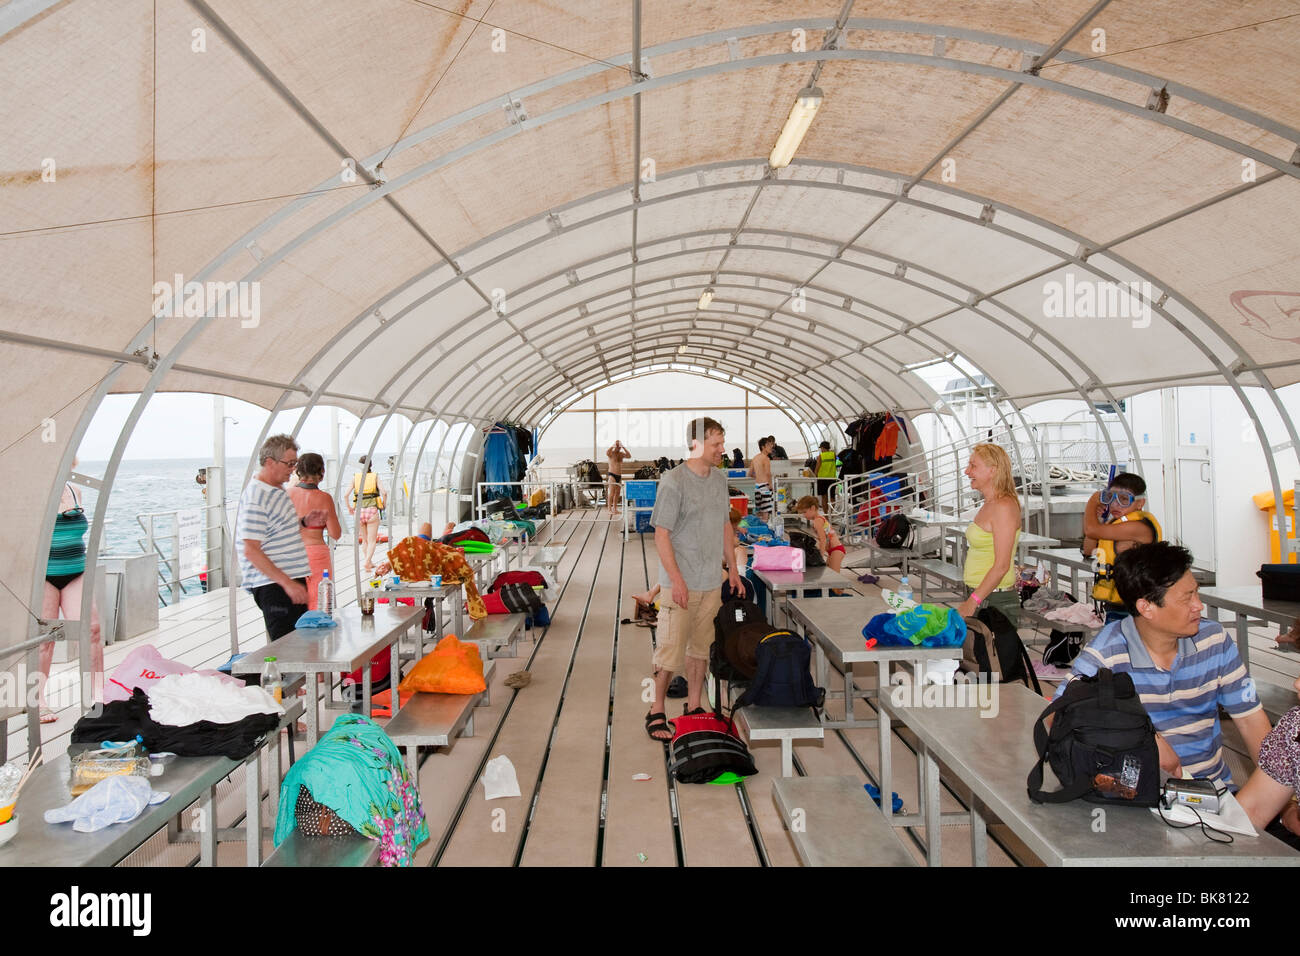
{"type": "Point", "coordinates": [991, 537]}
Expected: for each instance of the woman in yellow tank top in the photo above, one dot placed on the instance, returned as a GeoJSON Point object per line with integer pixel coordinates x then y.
{"type": "Point", "coordinates": [992, 536]}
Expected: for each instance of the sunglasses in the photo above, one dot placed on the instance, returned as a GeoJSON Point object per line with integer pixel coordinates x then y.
{"type": "Point", "coordinates": [1122, 498]}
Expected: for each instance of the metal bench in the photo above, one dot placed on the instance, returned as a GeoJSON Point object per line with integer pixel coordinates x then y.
{"type": "Point", "coordinates": [300, 850]}
{"type": "Point", "coordinates": [548, 559]}
{"type": "Point", "coordinates": [786, 724]}
{"type": "Point", "coordinates": [934, 567]}
{"type": "Point", "coordinates": [435, 720]}
{"type": "Point", "coordinates": [496, 631]}
{"type": "Point", "coordinates": [833, 822]}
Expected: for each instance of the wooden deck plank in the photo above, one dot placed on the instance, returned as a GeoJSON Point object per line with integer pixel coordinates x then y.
{"type": "Point", "coordinates": [525, 731]}
{"type": "Point", "coordinates": [566, 819]}
{"type": "Point", "coordinates": [638, 817]}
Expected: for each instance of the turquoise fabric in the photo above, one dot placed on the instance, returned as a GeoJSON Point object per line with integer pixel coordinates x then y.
{"type": "Point", "coordinates": [357, 772]}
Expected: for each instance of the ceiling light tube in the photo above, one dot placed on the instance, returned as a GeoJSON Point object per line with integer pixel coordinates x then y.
{"type": "Point", "coordinates": [801, 116]}
{"type": "Point", "coordinates": [706, 298]}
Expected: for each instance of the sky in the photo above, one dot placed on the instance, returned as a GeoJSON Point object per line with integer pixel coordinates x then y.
{"type": "Point", "coordinates": [180, 425]}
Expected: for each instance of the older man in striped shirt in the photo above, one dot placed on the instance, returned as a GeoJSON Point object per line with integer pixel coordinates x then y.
{"type": "Point", "coordinates": [273, 559]}
{"type": "Point", "coordinates": [1182, 665]}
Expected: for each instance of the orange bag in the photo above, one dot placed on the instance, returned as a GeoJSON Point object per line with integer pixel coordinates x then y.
{"type": "Point", "coordinates": [453, 667]}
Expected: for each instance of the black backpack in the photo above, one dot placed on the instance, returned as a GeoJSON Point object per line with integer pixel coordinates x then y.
{"type": "Point", "coordinates": [733, 654]}
{"type": "Point", "coordinates": [646, 473]}
{"type": "Point", "coordinates": [994, 644]}
{"type": "Point", "coordinates": [705, 746]}
{"type": "Point", "coordinates": [1102, 745]}
{"type": "Point", "coordinates": [784, 677]}
{"type": "Point", "coordinates": [894, 532]}
{"type": "Point", "coordinates": [812, 556]}
{"type": "Point", "coordinates": [1062, 648]}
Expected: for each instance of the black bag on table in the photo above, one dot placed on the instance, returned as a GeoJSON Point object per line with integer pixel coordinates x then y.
{"type": "Point", "coordinates": [894, 532]}
{"type": "Point", "coordinates": [812, 556]}
{"type": "Point", "coordinates": [993, 645]}
{"type": "Point", "coordinates": [1102, 745]}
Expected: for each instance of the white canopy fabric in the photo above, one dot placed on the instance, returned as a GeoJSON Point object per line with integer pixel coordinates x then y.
{"type": "Point", "coordinates": [479, 210]}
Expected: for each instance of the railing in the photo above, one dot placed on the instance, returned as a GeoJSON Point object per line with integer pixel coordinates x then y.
{"type": "Point", "coordinates": [164, 541]}
{"type": "Point", "coordinates": [526, 489]}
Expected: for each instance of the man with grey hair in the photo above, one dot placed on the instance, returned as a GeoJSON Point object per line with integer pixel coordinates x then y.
{"type": "Point", "coordinates": [272, 557]}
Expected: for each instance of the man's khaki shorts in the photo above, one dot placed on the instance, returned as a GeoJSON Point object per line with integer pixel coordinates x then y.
{"type": "Point", "coordinates": [685, 633]}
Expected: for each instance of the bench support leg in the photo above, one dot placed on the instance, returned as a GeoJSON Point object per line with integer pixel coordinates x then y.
{"type": "Point", "coordinates": [413, 762]}
{"type": "Point", "coordinates": [933, 822]}
{"type": "Point", "coordinates": [253, 812]}
{"type": "Point", "coordinates": [787, 757]}
{"type": "Point", "coordinates": [208, 828]}
{"type": "Point", "coordinates": [979, 848]}
{"type": "Point", "coordinates": [883, 735]}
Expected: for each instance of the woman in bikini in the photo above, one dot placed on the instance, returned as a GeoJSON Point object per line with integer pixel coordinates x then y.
{"type": "Point", "coordinates": [307, 497]}
{"type": "Point", "coordinates": [828, 542]}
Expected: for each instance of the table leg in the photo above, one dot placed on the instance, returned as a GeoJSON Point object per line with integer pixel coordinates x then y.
{"type": "Point", "coordinates": [208, 830]}
{"type": "Point", "coordinates": [253, 810]}
{"type": "Point", "coordinates": [787, 757]}
{"type": "Point", "coordinates": [273, 768]}
{"type": "Point", "coordinates": [460, 614]}
{"type": "Point", "coordinates": [933, 822]}
{"type": "Point", "coordinates": [313, 709]}
{"type": "Point", "coordinates": [365, 687]}
{"type": "Point", "coordinates": [821, 667]}
{"type": "Point", "coordinates": [1243, 639]}
{"type": "Point", "coordinates": [848, 693]}
{"type": "Point", "coordinates": [884, 743]}
{"type": "Point", "coordinates": [979, 846]}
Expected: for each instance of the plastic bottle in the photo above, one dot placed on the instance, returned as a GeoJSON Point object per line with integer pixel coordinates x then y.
{"type": "Point", "coordinates": [905, 589]}
{"type": "Point", "coordinates": [325, 595]}
{"type": "Point", "coordinates": [778, 526]}
{"type": "Point", "coordinates": [271, 682]}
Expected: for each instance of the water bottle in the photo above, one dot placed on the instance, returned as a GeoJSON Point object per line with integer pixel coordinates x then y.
{"type": "Point", "coordinates": [905, 589]}
{"type": "Point", "coordinates": [778, 526]}
{"type": "Point", "coordinates": [325, 595]}
{"type": "Point", "coordinates": [271, 682]}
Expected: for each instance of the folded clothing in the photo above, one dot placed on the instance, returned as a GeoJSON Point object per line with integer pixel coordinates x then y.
{"type": "Point", "coordinates": [112, 800]}
{"type": "Point", "coordinates": [124, 719]}
{"type": "Point", "coordinates": [182, 699]}
{"type": "Point", "coordinates": [1045, 599]}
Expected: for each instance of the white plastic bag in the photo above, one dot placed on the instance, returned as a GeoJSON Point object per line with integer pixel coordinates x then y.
{"type": "Point", "coordinates": [499, 779]}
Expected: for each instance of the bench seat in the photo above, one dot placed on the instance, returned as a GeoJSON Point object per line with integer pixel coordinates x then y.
{"type": "Point", "coordinates": [435, 720]}
{"type": "Point", "coordinates": [299, 850]}
{"type": "Point", "coordinates": [926, 568]}
{"type": "Point", "coordinates": [833, 822]}
{"type": "Point", "coordinates": [786, 724]}
{"type": "Point", "coordinates": [496, 631]}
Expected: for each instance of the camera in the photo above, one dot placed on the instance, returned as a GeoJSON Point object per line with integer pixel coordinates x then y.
{"type": "Point", "coordinates": [1204, 796]}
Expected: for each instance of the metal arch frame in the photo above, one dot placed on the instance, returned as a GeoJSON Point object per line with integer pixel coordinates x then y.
{"type": "Point", "coordinates": [696, 371]}
{"type": "Point", "coordinates": [940, 62]}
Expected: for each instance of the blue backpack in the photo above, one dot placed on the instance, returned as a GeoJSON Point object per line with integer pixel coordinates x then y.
{"type": "Point", "coordinates": [784, 675]}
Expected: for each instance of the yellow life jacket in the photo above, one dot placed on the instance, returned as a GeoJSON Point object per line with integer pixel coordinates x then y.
{"type": "Point", "coordinates": [1104, 589]}
{"type": "Point", "coordinates": [370, 497]}
{"type": "Point", "coordinates": [826, 465]}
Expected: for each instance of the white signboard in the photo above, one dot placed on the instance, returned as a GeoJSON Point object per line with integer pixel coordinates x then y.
{"type": "Point", "coordinates": [189, 547]}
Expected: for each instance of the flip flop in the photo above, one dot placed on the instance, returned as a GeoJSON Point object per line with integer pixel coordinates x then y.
{"type": "Point", "coordinates": [659, 723]}
{"type": "Point", "coordinates": [48, 716]}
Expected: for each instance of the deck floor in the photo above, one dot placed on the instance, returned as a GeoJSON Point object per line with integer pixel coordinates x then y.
{"type": "Point", "coordinates": [575, 736]}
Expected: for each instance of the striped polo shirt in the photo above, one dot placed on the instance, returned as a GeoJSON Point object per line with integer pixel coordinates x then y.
{"type": "Point", "coordinates": [1183, 702]}
{"type": "Point", "coordinates": [266, 514]}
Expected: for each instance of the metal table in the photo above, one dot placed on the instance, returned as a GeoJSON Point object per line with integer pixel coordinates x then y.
{"type": "Point", "coordinates": [1247, 603]}
{"type": "Point", "coordinates": [448, 592]}
{"type": "Point", "coordinates": [352, 644]}
{"type": "Point", "coordinates": [835, 629]}
{"type": "Point", "coordinates": [797, 582]}
{"type": "Point", "coordinates": [1070, 558]}
{"type": "Point", "coordinates": [993, 756]}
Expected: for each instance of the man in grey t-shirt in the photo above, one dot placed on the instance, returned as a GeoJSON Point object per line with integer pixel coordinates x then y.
{"type": "Point", "coordinates": [694, 540]}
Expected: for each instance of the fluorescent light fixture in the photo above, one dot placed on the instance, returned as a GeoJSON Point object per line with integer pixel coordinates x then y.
{"type": "Point", "coordinates": [801, 116]}
{"type": "Point", "coordinates": [706, 297]}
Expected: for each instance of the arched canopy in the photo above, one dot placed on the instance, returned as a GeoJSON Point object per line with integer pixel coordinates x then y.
{"type": "Point", "coordinates": [480, 213]}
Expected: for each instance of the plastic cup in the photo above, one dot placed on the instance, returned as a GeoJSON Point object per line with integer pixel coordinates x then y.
{"type": "Point", "coordinates": [437, 580]}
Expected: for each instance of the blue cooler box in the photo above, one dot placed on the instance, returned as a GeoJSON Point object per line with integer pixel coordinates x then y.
{"type": "Point", "coordinates": [891, 486]}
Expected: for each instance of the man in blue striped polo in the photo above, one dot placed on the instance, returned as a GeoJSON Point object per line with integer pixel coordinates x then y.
{"type": "Point", "coordinates": [272, 557]}
{"type": "Point", "coordinates": [1182, 665]}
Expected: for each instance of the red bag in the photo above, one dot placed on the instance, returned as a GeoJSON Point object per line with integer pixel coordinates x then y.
{"type": "Point", "coordinates": [379, 668]}
{"type": "Point", "coordinates": [534, 579]}
{"type": "Point", "coordinates": [494, 604]}
{"type": "Point", "coordinates": [705, 746]}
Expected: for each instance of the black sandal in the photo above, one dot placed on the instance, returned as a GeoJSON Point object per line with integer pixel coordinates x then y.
{"type": "Point", "coordinates": [657, 723]}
